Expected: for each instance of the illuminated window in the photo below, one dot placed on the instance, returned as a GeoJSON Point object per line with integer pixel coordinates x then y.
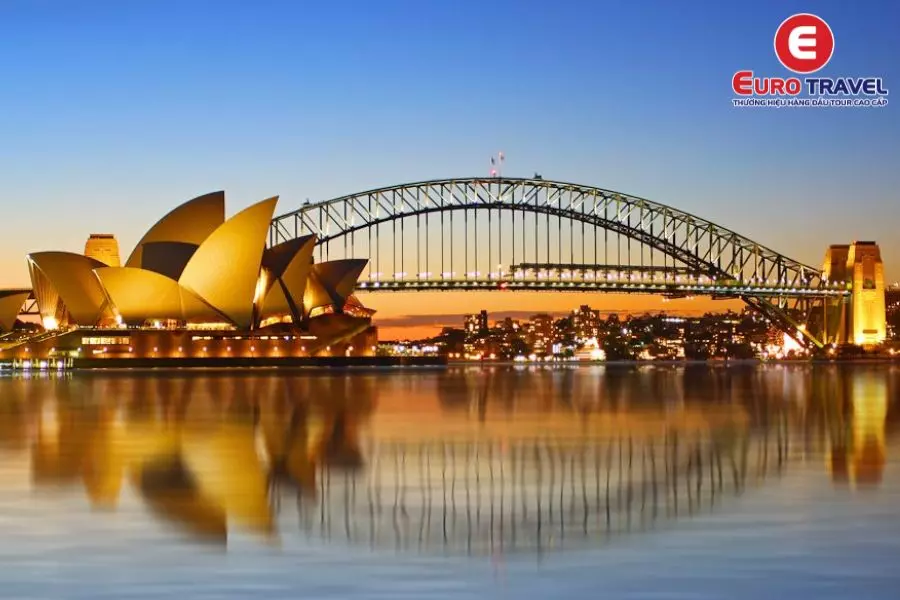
{"type": "Point", "coordinates": [106, 341]}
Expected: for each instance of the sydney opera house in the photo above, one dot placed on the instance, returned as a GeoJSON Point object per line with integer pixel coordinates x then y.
{"type": "Point", "coordinates": [196, 287]}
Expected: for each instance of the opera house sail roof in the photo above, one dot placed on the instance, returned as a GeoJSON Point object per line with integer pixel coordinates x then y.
{"type": "Point", "coordinates": [195, 268]}
{"type": "Point", "coordinates": [11, 302]}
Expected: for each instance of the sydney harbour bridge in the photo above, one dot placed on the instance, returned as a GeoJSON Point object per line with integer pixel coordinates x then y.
{"type": "Point", "coordinates": [512, 234]}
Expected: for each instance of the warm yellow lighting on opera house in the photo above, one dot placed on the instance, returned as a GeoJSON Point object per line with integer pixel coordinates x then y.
{"type": "Point", "coordinates": [196, 286]}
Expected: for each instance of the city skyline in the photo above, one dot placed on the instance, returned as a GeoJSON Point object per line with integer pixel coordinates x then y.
{"type": "Point", "coordinates": [421, 326]}
{"type": "Point", "coordinates": [150, 112]}
{"type": "Point", "coordinates": [588, 334]}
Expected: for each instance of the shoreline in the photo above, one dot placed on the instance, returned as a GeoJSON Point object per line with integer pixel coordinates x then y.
{"type": "Point", "coordinates": [226, 363]}
{"type": "Point", "coordinates": [89, 365]}
{"type": "Point", "coordinates": [687, 363]}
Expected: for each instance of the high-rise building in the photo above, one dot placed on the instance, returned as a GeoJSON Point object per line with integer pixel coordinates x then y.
{"type": "Point", "coordinates": [585, 322]}
{"type": "Point", "coordinates": [482, 321]}
{"type": "Point", "coordinates": [470, 324]}
{"type": "Point", "coordinates": [477, 323]}
{"type": "Point", "coordinates": [892, 311]}
{"type": "Point", "coordinates": [103, 247]}
{"type": "Point", "coordinates": [539, 333]}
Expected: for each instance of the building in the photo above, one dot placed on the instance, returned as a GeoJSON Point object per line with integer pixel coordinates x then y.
{"type": "Point", "coordinates": [892, 311]}
{"type": "Point", "coordinates": [198, 285]}
{"type": "Point", "coordinates": [540, 333]}
{"type": "Point", "coordinates": [477, 324]}
{"type": "Point", "coordinates": [104, 248]}
{"type": "Point", "coordinates": [509, 326]}
{"type": "Point", "coordinates": [585, 323]}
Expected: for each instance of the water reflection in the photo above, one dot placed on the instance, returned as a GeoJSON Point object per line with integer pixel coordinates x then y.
{"type": "Point", "coordinates": [468, 459]}
{"type": "Point", "coordinates": [203, 453]}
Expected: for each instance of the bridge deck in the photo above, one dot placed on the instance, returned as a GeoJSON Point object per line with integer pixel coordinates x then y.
{"type": "Point", "coordinates": [627, 285]}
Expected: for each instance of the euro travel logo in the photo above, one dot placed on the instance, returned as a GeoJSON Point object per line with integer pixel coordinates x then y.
{"type": "Point", "coordinates": [804, 44]}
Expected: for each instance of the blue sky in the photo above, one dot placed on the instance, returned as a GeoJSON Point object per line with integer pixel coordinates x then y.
{"type": "Point", "coordinates": [111, 113]}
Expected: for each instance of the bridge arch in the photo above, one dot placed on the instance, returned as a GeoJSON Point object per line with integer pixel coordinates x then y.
{"type": "Point", "coordinates": [543, 234]}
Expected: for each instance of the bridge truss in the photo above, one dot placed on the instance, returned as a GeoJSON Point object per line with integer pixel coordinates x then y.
{"type": "Point", "coordinates": [534, 234]}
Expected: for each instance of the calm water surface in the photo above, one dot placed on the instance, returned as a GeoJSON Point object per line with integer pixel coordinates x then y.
{"type": "Point", "coordinates": [587, 482]}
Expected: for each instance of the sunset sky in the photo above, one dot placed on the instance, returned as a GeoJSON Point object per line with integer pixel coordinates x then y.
{"type": "Point", "coordinates": [112, 113]}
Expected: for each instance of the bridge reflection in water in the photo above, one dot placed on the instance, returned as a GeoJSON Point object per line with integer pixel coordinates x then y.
{"type": "Point", "coordinates": [466, 460]}
{"type": "Point", "coordinates": [496, 496]}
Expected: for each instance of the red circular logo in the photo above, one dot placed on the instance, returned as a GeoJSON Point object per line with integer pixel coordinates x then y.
{"type": "Point", "coordinates": [804, 43]}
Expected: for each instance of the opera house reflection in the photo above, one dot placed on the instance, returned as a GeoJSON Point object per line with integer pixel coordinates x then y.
{"type": "Point", "coordinates": [469, 460]}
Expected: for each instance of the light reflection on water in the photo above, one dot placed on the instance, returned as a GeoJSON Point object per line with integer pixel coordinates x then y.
{"type": "Point", "coordinates": [691, 482]}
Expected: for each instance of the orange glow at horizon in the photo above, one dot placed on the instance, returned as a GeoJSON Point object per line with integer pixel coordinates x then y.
{"type": "Point", "coordinates": [416, 315]}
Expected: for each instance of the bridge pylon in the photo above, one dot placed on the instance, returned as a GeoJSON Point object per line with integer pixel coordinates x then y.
{"type": "Point", "coordinates": [860, 318]}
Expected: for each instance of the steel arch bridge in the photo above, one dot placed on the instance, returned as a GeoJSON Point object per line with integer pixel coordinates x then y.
{"type": "Point", "coordinates": [504, 233]}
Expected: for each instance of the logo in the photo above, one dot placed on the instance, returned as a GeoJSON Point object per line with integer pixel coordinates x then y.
{"type": "Point", "coordinates": [804, 44]}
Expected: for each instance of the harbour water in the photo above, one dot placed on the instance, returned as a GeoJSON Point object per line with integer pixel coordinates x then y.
{"type": "Point", "coordinates": [467, 482]}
